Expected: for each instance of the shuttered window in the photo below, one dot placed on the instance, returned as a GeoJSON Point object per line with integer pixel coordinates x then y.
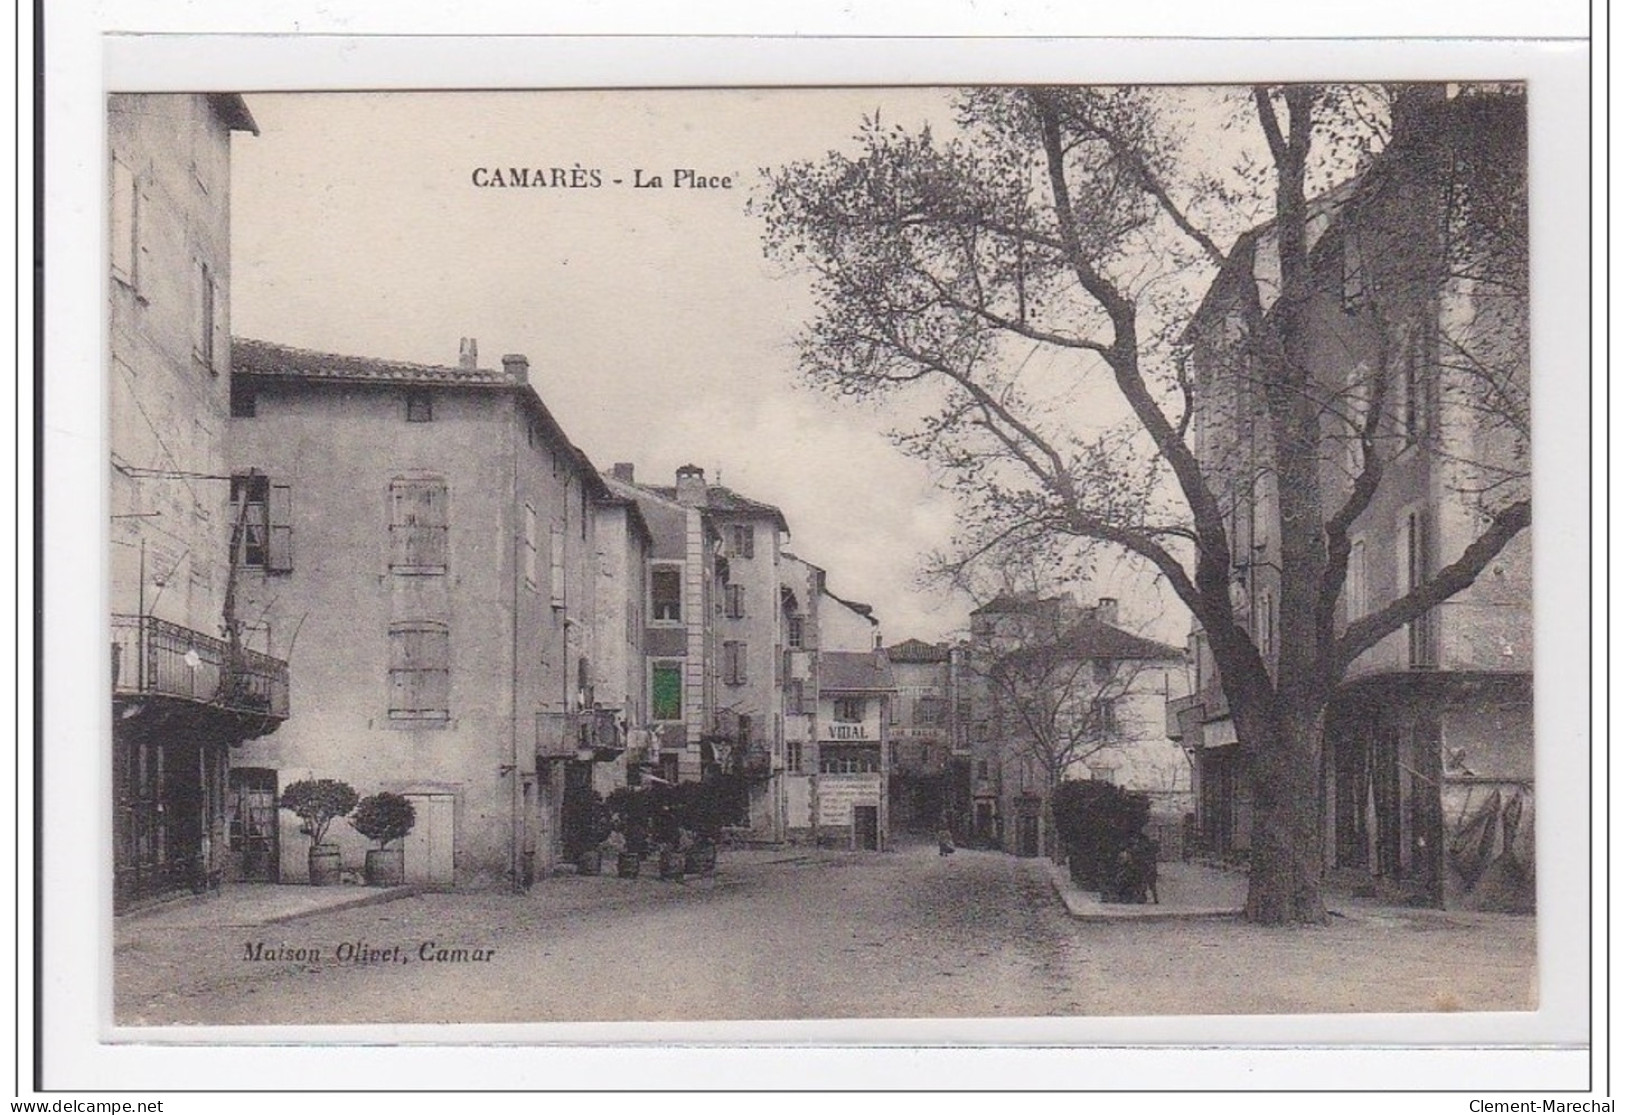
{"type": "Point", "coordinates": [261, 524]}
{"type": "Point", "coordinates": [209, 341]}
{"type": "Point", "coordinates": [733, 663]}
{"type": "Point", "coordinates": [530, 546]}
{"type": "Point", "coordinates": [555, 560]}
{"type": "Point", "coordinates": [736, 601]}
{"type": "Point", "coordinates": [419, 671]}
{"type": "Point", "coordinates": [666, 593]}
{"type": "Point", "coordinates": [666, 684]}
{"type": "Point", "coordinates": [417, 525]}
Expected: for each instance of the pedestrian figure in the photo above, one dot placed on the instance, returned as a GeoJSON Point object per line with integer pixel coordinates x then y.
{"type": "Point", "coordinates": [1145, 851]}
{"type": "Point", "coordinates": [945, 843]}
{"type": "Point", "coordinates": [1134, 873]}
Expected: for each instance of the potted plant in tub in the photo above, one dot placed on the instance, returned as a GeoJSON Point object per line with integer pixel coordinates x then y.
{"type": "Point", "coordinates": [384, 818]}
{"type": "Point", "coordinates": [317, 802]}
{"type": "Point", "coordinates": [629, 815]}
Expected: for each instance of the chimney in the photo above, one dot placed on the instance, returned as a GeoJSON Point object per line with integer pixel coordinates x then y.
{"type": "Point", "coordinates": [691, 486]}
{"type": "Point", "coordinates": [1106, 611]}
{"type": "Point", "coordinates": [516, 367]}
{"type": "Point", "coordinates": [622, 472]}
{"type": "Point", "coordinates": [468, 354]}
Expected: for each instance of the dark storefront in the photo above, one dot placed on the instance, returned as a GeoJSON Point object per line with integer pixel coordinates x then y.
{"type": "Point", "coordinates": [180, 701]}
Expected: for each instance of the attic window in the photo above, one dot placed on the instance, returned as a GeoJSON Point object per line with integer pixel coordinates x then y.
{"type": "Point", "coordinates": [419, 406]}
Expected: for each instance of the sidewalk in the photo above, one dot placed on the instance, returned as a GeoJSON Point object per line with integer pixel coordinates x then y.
{"type": "Point", "coordinates": [242, 905]}
{"type": "Point", "coordinates": [1187, 890]}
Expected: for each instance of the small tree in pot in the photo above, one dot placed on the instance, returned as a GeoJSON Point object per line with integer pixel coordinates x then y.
{"type": "Point", "coordinates": [384, 818]}
{"type": "Point", "coordinates": [318, 802]}
{"type": "Point", "coordinates": [629, 815]}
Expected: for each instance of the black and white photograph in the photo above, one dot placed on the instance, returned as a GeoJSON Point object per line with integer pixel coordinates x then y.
{"type": "Point", "coordinates": [688, 555]}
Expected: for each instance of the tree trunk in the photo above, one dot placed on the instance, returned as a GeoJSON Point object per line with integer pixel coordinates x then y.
{"type": "Point", "coordinates": [1283, 749]}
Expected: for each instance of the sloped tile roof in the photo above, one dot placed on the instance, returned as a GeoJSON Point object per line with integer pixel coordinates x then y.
{"type": "Point", "coordinates": [725, 500]}
{"type": "Point", "coordinates": [1090, 638]}
{"type": "Point", "coordinates": [265, 358]}
{"type": "Point", "coordinates": [915, 650]}
{"type": "Point", "coordinates": [1011, 605]}
{"type": "Point", "coordinates": [853, 670]}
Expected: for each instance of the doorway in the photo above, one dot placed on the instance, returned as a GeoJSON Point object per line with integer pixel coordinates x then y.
{"type": "Point", "coordinates": [866, 827]}
{"type": "Point", "coordinates": [428, 847]}
{"type": "Point", "coordinates": [251, 811]}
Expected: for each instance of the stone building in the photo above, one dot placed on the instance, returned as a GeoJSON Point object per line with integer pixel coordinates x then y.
{"type": "Point", "coordinates": [837, 693]}
{"type": "Point", "coordinates": [438, 581]}
{"type": "Point", "coordinates": [194, 674]}
{"type": "Point", "coordinates": [1063, 692]}
{"type": "Point", "coordinates": [715, 637]}
{"type": "Point", "coordinates": [1428, 758]}
{"type": "Point", "coordinates": [930, 762]}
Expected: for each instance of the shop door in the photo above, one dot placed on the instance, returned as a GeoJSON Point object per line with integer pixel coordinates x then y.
{"type": "Point", "coordinates": [429, 845]}
{"type": "Point", "coordinates": [251, 812]}
{"type": "Point", "coordinates": [866, 827]}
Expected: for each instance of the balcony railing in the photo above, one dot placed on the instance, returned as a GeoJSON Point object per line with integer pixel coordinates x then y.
{"type": "Point", "coordinates": [592, 733]}
{"type": "Point", "coordinates": [155, 658]}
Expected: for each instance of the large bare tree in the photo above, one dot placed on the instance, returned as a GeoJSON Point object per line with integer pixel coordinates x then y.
{"type": "Point", "coordinates": [1057, 243]}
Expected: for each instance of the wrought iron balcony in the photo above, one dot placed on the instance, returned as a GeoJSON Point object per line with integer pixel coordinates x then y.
{"type": "Point", "coordinates": [155, 658]}
{"type": "Point", "coordinates": [593, 734]}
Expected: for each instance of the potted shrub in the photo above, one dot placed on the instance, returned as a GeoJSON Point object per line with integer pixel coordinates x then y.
{"type": "Point", "coordinates": [709, 807]}
{"type": "Point", "coordinates": [594, 830]}
{"type": "Point", "coordinates": [317, 802]}
{"type": "Point", "coordinates": [1097, 821]}
{"type": "Point", "coordinates": [629, 815]}
{"type": "Point", "coordinates": [384, 818]}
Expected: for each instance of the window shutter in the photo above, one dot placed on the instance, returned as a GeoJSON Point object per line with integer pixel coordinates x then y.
{"type": "Point", "coordinates": [220, 339]}
{"type": "Point", "coordinates": [749, 547]}
{"type": "Point", "coordinates": [202, 327]}
{"type": "Point", "coordinates": [530, 545]}
{"type": "Point", "coordinates": [419, 671]}
{"type": "Point", "coordinates": [417, 525]}
{"type": "Point", "coordinates": [556, 566]}
{"type": "Point", "coordinates": [280, 555]}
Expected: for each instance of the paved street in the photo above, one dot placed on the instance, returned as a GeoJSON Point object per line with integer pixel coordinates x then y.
{"type": "Point", "coordinates": [806, 935]}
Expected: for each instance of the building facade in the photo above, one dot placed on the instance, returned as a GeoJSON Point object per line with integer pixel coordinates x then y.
{"type": "Point", "coordinates": [1063, 692]}
{"type": "Point", "coordinates": [930, 762]}
{"type": "Point", "coordinates": [439, 579]}
{"type": "Point", "coordinates": [1428, 759]}
{"type": "Point", "coordinates": [191, 679]}
{"type": "Point", "coordinates": [715, 638]}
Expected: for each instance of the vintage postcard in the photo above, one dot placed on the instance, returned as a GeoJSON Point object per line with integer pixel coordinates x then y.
{"type": "Point", "coordinates": [1050, 555]}
{"type": "Point", "coordinates": [908, 552]}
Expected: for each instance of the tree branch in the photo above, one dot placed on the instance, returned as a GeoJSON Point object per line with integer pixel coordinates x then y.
{"type": "Point", "coordinates": [1366, 632]}
{"type": "Point", "coordinates": [1153, 186]}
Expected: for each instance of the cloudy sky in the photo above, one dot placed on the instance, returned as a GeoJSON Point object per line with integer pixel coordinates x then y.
{"type": "Point", "coordinates": [657, 331]}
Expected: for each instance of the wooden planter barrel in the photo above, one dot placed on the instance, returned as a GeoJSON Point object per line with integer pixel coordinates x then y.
{"type": "Point", "coordinates": [386, 867]}
{"type": "Point", "coordinates": [590, 862]}
{"type": "Point", "coordinates": [627, 865]}
{"type": "Point", "coordinates": [325, 865]}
